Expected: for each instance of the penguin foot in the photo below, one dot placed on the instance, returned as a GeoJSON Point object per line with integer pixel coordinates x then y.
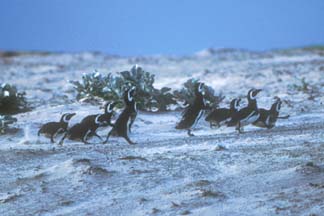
{"type": "Point", "coordinates": [284, 117]}
{"type": "Point", "coordinates": [239, 130]}
{"type": "Point", "coordinates": [190, 134]}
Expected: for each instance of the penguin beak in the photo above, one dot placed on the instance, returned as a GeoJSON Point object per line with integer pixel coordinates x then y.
{"type": "Point", "coordinates": [277, 99]}
{"type": "Point", "coordinates": [71, 115]}
{"type": "Point", "coordinates": [258, 90]}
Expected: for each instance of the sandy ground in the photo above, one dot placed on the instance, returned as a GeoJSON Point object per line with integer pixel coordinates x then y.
{"type": "Point", "coordinates": [217, 172]}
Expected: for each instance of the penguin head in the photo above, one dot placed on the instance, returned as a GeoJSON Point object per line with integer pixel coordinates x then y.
{"type": "Point", "coordinates": [253, 93]}
{"type": "Point", "coordinates": [199, 89]}
{"type": "Point", "coordinates": [183, 104]}
{"type": "Point", "coordinates": [109, 106]}
{"type": "Point", "coordinates": [235, 104]}
{"type": "Point", "coordinates": [129, 94]}
{"type": "Point", "coordinates": [276, 106]}
{"type": "Point", "coordinates": [66, 117]}
{"type": "Point", "coordinates": [102, 120]}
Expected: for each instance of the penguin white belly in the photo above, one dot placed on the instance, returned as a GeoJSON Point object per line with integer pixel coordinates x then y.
{"type": "Point", "coordinates": [87, 134]}
{"type": "Point", "coordinates": [224, 122]}
{"type": "Point", "coordinates": [60, 130]}
{"type": "Point", "coordinates": [250, 118]}
{"type": "Point", "coordinates": [267, 122]}
{"type": "Point", "coordinates": [201, 112]}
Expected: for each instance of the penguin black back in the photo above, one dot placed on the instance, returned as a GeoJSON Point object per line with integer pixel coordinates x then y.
{"type": "Point", "coordinates": [51, 129]}
{"type": "Point", "coordinates": [194, 111]}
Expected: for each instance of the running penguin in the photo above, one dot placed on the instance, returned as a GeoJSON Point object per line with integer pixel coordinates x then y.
{"type": "Point", "coordinates": [268, 118]}
{"type": "Point", "coordinates": [88, 126]}
{"type": "Point", "coordinates": [52, 129]}
{"type": "Point", "coordinates": [246, 115]}
{"type": "Point", "coordinates": [124, 120]}
{"type": "Point", "coordinates": [194, 111]}
{"type": "Point", "coordinates": [220, 117]}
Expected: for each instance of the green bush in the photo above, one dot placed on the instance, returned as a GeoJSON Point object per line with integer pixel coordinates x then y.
{"type": "Point", "coordinates": [12, 101]}
{"type": "Point", "coordinates": [187, 94]}
{"type": "Point", "coordinates": [111, 87]}
{"type": "Point", "coordinates": [92, 85]}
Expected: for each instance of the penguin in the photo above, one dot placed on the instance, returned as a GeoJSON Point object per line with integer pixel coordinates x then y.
{"type": "Point", "coordinates": [194, 111]}
{"type": "Point", "coordinates": [129, 100]}
{"type": "Point", "coordinates": [101, 119]}
{"type": "Point", "coordinates": [82, 131]}
{"type": "Point", "coordinates": [88, 126]}
{"type": "Point", "coordinates": [248, 114]}
{"type": "Point", "coordinates": [268, 118]}
{"type": "Point", "coordinates": [51, 129]}
{"type": "Point", "coordinates": [124, 120]}
{"type": "Point", "coordinates": [219, 117]}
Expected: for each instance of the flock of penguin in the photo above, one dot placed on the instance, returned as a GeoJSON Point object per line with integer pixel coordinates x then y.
{"type": "Point", "coordinates": [231, 117]}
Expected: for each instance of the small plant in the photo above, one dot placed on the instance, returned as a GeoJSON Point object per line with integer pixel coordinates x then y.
{"type": "Point", "coordinates": [95, 84]}
{"type": "Point", "coordinates": [303, 86]}
{"type": "Point", "coordinates": [5, 121]}
{"type": "Point", "coordinates": [307, 88]}
{"type": "Point", "coordinates": [12, 101]}
{"type": "Point", "coordinates": [187, 94]}
{"type": "Point", "coordinates": [111, 87]}
{"type": "Point", "coordinates": [148, 97]}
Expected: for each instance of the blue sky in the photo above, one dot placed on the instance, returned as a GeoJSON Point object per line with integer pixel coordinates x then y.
{"type": "Point", "coordinates": [145, 27]}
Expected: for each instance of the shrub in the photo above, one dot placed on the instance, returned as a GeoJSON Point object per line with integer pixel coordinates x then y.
{"type": "Point", "coordinates": [92, 85]}
{"type": "Point", "coordinates": [187, 94]}
{"type": "Point", "coordinates": [148, 97]}
{"type": "Point", "coordinates": [12, 101]}
{"type": "Point", "coordinates": [111, 87]}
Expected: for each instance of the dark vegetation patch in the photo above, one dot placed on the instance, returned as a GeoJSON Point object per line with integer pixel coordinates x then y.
{"type": "Point", "coordinates": [111, 88]}
{"type": "Point", "coordinates": [12, 101]}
